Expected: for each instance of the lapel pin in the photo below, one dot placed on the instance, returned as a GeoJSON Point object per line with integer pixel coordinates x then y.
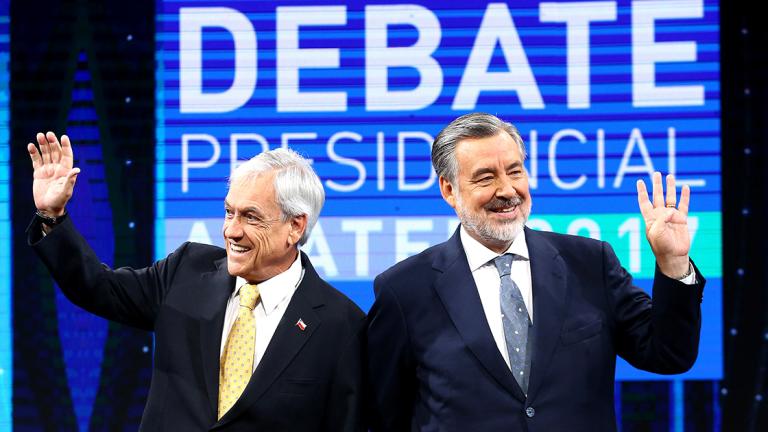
{"type": "Point", "coordinates": [300, 324]}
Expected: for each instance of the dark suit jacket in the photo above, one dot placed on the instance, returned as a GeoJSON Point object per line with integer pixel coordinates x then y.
{"type": "Point", "coordinates": [308, 380]}
{"type": "Point", "coordinates": [434, 366]}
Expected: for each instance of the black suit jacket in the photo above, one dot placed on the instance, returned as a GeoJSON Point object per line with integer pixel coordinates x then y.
{"type": "Point", "coordinates": [308, 380]}
{"type": "Point", "coordinates": [434, 366]}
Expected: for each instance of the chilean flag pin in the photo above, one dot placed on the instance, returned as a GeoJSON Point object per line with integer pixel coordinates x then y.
{"type": "Point", "coordinates": [300, 324]}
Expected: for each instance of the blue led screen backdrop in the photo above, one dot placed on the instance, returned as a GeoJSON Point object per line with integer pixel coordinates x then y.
{"type": "Point", "coordinates": [603, 93]}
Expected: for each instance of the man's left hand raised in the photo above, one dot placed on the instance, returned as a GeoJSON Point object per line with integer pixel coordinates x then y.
{"type": "Point", "coordinates": [666, 225]}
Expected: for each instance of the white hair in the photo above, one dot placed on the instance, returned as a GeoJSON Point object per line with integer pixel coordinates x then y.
{"type": "Point", "coordinates": [298, 189]}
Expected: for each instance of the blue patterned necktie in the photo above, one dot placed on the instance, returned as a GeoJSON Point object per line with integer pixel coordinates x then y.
{"type": "Point", "coordinates": [514, 317]}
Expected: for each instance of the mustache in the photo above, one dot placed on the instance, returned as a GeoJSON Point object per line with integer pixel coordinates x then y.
{"type": "Point", "coordinates": [500, 203]}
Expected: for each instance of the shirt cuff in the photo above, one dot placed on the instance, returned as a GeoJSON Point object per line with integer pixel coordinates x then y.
{"type": "Point", "coordinates": [691, 278]}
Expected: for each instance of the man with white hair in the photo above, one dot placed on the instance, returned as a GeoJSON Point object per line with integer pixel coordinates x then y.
{"type": "Point", "coordinates": [506, 328]}
{"type": "Point", "coordinates": [246, 337]}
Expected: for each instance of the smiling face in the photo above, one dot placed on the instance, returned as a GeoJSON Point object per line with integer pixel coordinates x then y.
{"type": "Point", "coordinates": [259, 243]}
{"type": "Point", "coordinates": [490, 194]}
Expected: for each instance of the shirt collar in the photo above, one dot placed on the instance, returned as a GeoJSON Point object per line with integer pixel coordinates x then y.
{"type": "Point", "coordinates": [478, 255]}
{"type": "Point", "coordinates": [274, 290]}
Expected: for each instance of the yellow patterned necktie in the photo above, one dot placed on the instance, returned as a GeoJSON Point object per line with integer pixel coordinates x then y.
{"type": "Point", "coordinates": [237, 360]}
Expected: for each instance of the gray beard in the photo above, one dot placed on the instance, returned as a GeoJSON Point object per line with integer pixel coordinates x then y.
{"type": "Point", "coordinates": [504, 232]}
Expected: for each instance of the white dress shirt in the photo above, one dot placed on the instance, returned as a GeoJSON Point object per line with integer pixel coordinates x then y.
{"type": "Point", "coordinates": [274, 296]}
{"type": "Point", "coordinates": [488, 281]}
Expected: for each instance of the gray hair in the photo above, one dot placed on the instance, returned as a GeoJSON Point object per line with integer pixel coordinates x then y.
{"type": "Point", "coordinates": [468, 126]}
{"type": "Point", "coordinates": [298, 189]}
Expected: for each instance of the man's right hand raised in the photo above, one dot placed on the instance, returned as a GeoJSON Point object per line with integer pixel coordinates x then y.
{"type": "Point", "coordinates": [54, 177]}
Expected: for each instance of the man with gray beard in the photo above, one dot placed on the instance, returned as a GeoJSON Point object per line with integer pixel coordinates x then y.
{"type": "Point", "coordinates": [505, 328]}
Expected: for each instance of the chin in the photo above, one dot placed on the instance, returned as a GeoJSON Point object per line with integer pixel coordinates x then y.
{"type": "Point", "coordinates": [504, 232]}
{"type": "Point", "coordinates": [494, 231]}
{"type": "Point", "coordinates": [234, 269]}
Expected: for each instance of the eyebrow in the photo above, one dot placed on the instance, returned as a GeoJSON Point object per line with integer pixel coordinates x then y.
{"type": "Point", "coordinates": [246, 210]}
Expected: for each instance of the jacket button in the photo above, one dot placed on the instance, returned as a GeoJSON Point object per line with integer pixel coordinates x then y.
{"type": "Point", "coordinates": [530, 412]}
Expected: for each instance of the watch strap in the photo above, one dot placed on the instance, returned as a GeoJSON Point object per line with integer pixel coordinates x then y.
{"type": "Point", "coordinates": [51, 221]}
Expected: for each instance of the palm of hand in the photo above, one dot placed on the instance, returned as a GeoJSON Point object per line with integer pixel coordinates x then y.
{"type": "Point", "coordinates": [49, 185]}
{"type": "Point", "coordinates": [667, 232]}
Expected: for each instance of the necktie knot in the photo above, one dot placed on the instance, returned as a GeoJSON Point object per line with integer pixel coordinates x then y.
{"type": "Point", "coordinates": [249, 295]}
{"type": "Point", "coordinates": [503, 264]}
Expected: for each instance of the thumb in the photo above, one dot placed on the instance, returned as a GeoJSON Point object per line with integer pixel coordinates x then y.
{"type": "Point", "coordinates": [72, 176]}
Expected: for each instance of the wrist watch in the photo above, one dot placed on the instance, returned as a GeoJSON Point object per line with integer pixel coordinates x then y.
{"type": "Point", "coordinates": [49, 220]}
{"type": "Point", "coordinates": [683, 277]}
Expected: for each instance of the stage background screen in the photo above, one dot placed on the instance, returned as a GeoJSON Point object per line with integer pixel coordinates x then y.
{"type": "Point", "coordinates": [603, 93]}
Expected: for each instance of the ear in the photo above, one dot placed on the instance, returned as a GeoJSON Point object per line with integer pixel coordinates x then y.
{"type": "Point", "coordinates": [448, 192]}
{"type": "Point", "coordinates": [298, 226]}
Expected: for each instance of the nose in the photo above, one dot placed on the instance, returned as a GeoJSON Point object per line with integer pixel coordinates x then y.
{"type": "Point", "coordinates": [505, 188]}
{"type": "Point", "coordinates": [233, 228]}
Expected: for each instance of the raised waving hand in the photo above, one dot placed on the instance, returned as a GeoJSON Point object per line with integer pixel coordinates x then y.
{"type": "Point", "coordinates": [666, 224]}
{"type": "Point", "coordinates": [54, 176]}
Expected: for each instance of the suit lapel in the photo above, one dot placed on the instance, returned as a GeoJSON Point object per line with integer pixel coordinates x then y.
{"type": "Point", "coordinates": [287, 341]}
{"type": "Point", "coordinates": [458, 292]}
{"type": "Point", "coordinates": [549, 299]}
{"type": "Point", "coordinates": [221, 286]}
